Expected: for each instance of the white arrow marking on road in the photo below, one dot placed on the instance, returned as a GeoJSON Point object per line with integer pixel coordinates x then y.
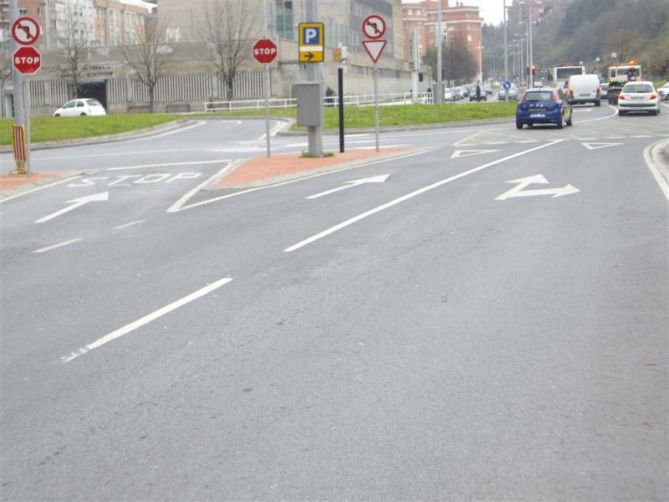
{"type": "Point", "coordinates": [350, 184]}
{"type": "Point", "coordinates": [98, 197]}
{"type": "Point", "coordinates": [458, 154]}
{"type": "Point", "coordinates": [597, 146]}
{"type": "Point", "coordinates": [522, 183]}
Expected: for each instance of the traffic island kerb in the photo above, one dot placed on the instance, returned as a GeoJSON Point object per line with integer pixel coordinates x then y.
{"type": "Point", "coordinates": [267, 170]}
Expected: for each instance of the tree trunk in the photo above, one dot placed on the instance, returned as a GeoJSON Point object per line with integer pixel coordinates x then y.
{"type": "Point", "coordinates": [229, 86]}
{"type": "Point", "coordinates": [151, 89]}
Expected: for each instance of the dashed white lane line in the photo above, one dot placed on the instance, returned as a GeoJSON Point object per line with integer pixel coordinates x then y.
{"type": "Point", "coordinates": [128, 225]}
{"type": "Point", "coordinates": [56, 246]}
{"type": "Point", "coordinates": [408, 196]}
{"type": "Point", "coordinates": [129, 328]}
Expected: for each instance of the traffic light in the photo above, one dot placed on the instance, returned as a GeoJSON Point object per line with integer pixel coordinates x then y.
{"type": "Point", "coordinates": [534, 69]}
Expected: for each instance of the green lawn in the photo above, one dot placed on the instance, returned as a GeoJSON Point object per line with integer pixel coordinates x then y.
{"type": "Point", "coordinates": [62, 128]}
{"type": "Point", "coordinates": [399, 115]}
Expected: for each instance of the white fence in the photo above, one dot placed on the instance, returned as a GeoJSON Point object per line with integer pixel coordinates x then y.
{"type": "Point", "coordinates": [405, 98]}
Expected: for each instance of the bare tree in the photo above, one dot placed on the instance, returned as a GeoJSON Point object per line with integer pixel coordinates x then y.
{"type": "Point", "coordinates": [227, 27]}
{"type": "Point", "coordinates": [150, 57]}
{"type": "Point", "coordinates": [74, 40]}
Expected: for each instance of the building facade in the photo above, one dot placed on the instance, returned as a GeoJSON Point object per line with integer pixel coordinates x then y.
{"type": "Point", "coordinates": [93, 23]}
{"type": "Point", "coordinates": [458, 22]}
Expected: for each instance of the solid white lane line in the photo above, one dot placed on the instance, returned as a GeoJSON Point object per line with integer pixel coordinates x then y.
{"type": "Point", "coordinates": [167, 164]}
{"type": "Point", "coordinates": [16, 196]}
{"type": "Point", "coordinates": [56, 246]}
{"type": "Point", "coordinates": [129, 328]}
{"type": "Point", "coordinates": [408, 196]}
{"type": "Point", "coordinates": [178, 205]}
{"type": "Point", "coordinates": [128, 225]}
{"type": "Point", "coordinates": [664, 185]}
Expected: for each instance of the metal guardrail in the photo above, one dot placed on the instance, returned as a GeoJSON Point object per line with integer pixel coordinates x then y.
{"type": "Point", "coordinates": [405, 98]}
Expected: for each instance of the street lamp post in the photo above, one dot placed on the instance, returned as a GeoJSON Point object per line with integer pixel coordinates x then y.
{"type": "Point", "coordinates": [506, 54]}
{"type": "Point", "coordinates": [529, 41]}
{"type": "Point", "coordinates": [440, 35]}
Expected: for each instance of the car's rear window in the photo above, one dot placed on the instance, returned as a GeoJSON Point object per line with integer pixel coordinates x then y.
{"type": "Point", "coordinates": [638, 88]}
{"type": "Point", "coordinates": [93, 102]}
{"type": "Point", "coordinates": [538, 96]}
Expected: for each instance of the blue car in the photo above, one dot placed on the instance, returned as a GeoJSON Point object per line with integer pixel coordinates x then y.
{"type": "Point", "coordinates": [543, 106]}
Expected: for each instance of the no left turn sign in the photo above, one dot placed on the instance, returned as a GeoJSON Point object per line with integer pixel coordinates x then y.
{"type": "Point", "coordinates": [26, 31]}
{"type": "Point", "coordinates": [374, 26]}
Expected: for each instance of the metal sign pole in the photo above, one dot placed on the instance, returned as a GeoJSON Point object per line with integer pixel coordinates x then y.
{"type": "Point", "coordinates": [314, 133]}
{"type": "Point", "coordinates": [376, 106]}
{"type": "Point", "coordinates": [267, 83]}
{"type": "Point", "coordinates": [17, 84]}
{"type": "Point", "coordinates": [340, 93]}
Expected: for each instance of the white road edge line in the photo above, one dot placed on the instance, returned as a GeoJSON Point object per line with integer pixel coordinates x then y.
{"type": "Point", "coordinates": [128, 225]}
{"type": "Point", "coordinates": [408, 196]}
{"type": "Point", "coordinates": [169, 133]}
{"type": "Point", "coordinates": [664, 186]}
{"type": "Point", "coordinates": [56, 246]}
{"type": "Point", "coordinates": [273, 131]}
{"type": "Point", "coordinates": [180, 204]}
{"type": "Point", "coordinates": [16, 196]}
{"type": "Point", "coordinates": [129, 328]}
{"type": "Point", "coordinates": [169, 164]}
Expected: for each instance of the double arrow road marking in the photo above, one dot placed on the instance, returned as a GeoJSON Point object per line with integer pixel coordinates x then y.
{"type": "Point", "coordinates": [523, 183]}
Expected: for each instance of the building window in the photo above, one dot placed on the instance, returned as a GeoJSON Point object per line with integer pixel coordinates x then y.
{"type": "Point", "coordinates": [23, 12]}
{"type": "Point", "coordinates": [285, 19]}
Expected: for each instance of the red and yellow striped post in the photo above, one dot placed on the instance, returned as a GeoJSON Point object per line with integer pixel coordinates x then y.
{"type": "Point", "coordinates": [20, 148]}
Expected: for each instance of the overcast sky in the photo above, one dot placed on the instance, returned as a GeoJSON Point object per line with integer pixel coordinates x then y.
{"type": "Point", "coordinates": [492, 11]}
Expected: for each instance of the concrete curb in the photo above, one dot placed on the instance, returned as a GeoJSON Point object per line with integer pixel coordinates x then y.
{"type": "Point", "coordinates": [276, 180]}
{"type": "Point", "coordinates": [659, 155]}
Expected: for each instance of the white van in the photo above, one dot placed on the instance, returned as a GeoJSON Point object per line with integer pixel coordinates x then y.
{"type": "Point", "coordinates": [584, 89]}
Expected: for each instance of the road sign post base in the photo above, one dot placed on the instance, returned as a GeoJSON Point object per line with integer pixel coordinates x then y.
{"type": "Point", "coordinates": [21, 169]}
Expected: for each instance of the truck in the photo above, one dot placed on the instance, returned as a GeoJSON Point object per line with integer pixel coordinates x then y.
{"type": "Point", "coordinates": [619, 75]}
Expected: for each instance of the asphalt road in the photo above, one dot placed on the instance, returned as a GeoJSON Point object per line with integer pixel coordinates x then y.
{"type": "Point", "coordinates": [488, 323]}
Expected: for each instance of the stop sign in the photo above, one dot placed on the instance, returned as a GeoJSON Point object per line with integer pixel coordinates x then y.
{"type": "Point", "coordinates": [264, 50]}
{"type": "Point", "coordinates": [27, 60]}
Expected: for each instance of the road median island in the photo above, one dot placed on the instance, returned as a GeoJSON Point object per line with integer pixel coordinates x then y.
{"type": "Point", "coordinates": [15, 184]}
{"type": "Point", "coordinates": [259, 171]}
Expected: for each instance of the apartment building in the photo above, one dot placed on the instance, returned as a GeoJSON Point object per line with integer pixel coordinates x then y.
{"type": "Point", "coordinates": [91, 22]}
{"type": "Point", "coordinates": [342, 19]}
{"type": "Point", "coordinates": [458, 22]}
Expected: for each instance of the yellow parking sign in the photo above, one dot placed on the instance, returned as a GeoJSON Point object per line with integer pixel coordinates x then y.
{"type": "Point", "coordinates": [311, 42]}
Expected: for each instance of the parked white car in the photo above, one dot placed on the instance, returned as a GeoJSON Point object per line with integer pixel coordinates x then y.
{"type": "Point", "coordinates": [81, 107]}
{"type": "Point", "coordinates": [664, 92]}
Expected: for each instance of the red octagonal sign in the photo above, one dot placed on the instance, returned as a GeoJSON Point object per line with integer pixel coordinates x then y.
{"type": "Point", "coordinates": [264, 50]}
{"type": "Point", "coordinates": [27, 60]}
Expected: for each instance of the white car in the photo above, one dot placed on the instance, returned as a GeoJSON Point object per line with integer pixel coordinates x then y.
{"type": "Point", "coordinates": [664, 92]}
{"type": "Point", "coordinates": [638, 96]}
{"type": "Point", "coordinates": [81, 107]}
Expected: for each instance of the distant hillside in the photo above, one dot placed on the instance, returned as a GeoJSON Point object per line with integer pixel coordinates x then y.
{"type": "Point", "coordinates": [591, 29]}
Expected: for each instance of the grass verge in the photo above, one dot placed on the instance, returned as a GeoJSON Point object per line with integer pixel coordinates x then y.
{"type": "Point", "coordinates": [397, 115]}
{"type": "Point", "coordinates": [356, 117]}
{"type": "Point", "coordinates": [63, 128]}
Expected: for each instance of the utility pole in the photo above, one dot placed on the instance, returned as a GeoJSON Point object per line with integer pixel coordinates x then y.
{"type": "Point", "coordinates": [314, 133]}
{"type": "Point", "coordinates": [439, 91]}
{"type": "Point", "coordinates": [506, 55]}
{"type": "Point", "coordinates": [529, 41]}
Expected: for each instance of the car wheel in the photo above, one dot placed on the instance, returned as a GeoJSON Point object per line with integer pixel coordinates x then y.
{"type": "Point", "coordinates": [519, 125]}
{"type": "Point", "coordinates": [82, 114]}
{"type": "Point", "coordinates": [57, 115]}
{"type": "Point", "coordinates": [655, 112]}
{"type": "Point", "coordinates": [621, 113]}
{"type": "Point", "coordinates": [598, 103]}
